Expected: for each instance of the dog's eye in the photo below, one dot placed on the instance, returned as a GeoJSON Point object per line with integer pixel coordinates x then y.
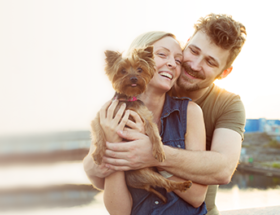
{"type": "Point", "coordinates": [139, 70]}
{"type": "Point", "coordinates": [123, 71]}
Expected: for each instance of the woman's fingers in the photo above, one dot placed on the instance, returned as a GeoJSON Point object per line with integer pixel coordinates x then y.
{"type": "Point", "coordinates": [119, 114]}
{"type": "Point", "coordinates": [136, 117]}
{"type": "Point", "coordinates": [138, 125]}
{"type": "Point", "coordinates": [123, 120]}
{"type": "Point", "coordinates": [111, 109]}
{"type": "Point", "coordinates": [131, 124]}
{"type": "Point", "coordinates": [103, 110]}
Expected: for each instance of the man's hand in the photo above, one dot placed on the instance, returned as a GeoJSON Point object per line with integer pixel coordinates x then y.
{"type": "Point", "coordinates": [135, 154]}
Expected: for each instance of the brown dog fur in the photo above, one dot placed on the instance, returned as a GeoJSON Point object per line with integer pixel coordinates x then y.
{"type": "Point", "coordinates": [130, 77]}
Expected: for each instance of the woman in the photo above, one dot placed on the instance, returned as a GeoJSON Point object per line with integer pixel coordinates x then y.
{"type": "Point", "coordinates": [120, 199]}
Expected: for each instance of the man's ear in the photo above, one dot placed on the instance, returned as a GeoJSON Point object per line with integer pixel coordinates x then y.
{"type": "Point", "coordinates": [225, 73]}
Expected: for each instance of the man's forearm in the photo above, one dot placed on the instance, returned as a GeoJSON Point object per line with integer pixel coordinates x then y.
{"type": "Point", "coordinates": [204, 167]}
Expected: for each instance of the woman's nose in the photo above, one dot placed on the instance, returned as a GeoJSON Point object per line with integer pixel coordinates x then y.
{"type": "Point", "coordinates": [171, 63]}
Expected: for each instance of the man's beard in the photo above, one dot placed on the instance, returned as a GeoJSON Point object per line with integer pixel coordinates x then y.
{"type": "Point", "coordinates": [180, 82]}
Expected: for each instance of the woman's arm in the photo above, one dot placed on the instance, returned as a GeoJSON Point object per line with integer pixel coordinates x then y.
{"type": "Point", "coordinates": [195, 140]}
{"type": "Point", "coordinates": [117, 198]}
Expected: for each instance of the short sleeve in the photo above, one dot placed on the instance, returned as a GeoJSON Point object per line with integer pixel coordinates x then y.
{"type": "Point", "coordinates": [232, 116]}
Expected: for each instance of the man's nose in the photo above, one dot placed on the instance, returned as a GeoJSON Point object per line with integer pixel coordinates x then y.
{"type": "Point", "coordinates": [197, 64]}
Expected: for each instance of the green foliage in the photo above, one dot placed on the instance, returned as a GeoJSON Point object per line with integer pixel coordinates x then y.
{"type": "Point", "coordinates": [273, 144]}
{"type": "Point", "coordinates": [272, 164]}
{"type": "Point", "coordinates": [276, 165]}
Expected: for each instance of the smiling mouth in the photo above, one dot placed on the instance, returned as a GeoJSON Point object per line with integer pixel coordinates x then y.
{"type": "Point", "coordinates": [166, 75]}
{"type": "Point", "coordinates": [192, 74]}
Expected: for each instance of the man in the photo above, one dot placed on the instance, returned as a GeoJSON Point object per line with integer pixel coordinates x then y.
{"type": "Point", "coordinates": [208, 56]}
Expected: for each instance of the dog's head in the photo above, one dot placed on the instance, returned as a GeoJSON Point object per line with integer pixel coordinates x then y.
{"type": "Point", "coordinates": [130, 75]}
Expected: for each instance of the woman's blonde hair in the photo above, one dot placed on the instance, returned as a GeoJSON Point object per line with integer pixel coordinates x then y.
{"type": "Point", "coordinates": [148, 38]}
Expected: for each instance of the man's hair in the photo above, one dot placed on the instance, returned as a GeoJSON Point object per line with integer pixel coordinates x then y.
{"type": "Point", "coordinates": [224, 32]}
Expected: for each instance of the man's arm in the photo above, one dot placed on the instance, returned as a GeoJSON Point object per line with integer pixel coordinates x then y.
{"type": "Point", "coordinates": [207, 167]}
{"type": "Point", "coordinates": [195, 139]}
{"type": "Point", "coordinates": [204, 167]}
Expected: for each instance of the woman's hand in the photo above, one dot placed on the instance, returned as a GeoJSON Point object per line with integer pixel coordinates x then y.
{"type": "Point", "coordinates": [138, 125]}
{"type": "Point", "coordinates": [110, 124]}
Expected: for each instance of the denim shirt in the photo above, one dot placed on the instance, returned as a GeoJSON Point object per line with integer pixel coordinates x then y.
{"type": "Point", "coordinates": [173, 129]}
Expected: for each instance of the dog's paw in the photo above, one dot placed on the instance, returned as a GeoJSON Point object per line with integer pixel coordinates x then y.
{"type": "Point", "coordinates": [160, 157]}
{"type": "Point", "coordinates": [186, 185]}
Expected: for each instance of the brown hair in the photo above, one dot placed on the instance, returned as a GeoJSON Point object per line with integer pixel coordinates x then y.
{"type": "Point", "coordinates": [224, 32]}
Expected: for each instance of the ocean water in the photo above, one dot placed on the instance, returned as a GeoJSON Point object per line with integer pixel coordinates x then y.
{"type": "Point", "coordinates": [63, 188]}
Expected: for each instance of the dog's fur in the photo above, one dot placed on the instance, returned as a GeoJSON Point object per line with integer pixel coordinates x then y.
{"type": "Point", "coordinates": [130, 77]}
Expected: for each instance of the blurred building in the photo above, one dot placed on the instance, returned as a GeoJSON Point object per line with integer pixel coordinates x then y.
{"type": "Point", "coordinates": [270, 127]}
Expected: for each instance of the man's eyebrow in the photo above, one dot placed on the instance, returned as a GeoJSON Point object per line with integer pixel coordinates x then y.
{"type": "Point", "coordinates": [217, 63]}
{"type": "Point", "coordinates": [180, 54]}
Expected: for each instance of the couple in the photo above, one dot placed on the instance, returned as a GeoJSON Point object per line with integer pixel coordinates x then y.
{"type": "Point", "coordinates": [206, 158]}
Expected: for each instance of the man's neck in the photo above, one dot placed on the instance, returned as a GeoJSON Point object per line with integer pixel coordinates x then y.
{"type": "Point", "coordinates": [194, 95]}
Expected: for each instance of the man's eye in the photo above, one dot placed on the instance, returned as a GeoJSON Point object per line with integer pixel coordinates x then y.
{"type": "Point", "coordinates": [139, 70]}
{"type": "Point", "coordinates": [210, 63]}
{"type": "Point", "coordinates": [193, 51]}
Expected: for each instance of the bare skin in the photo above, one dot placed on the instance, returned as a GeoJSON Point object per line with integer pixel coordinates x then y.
{"type": "Point", "coordinates": [153, 98]}
{"type": "Point", "coordinates": [205, 167]}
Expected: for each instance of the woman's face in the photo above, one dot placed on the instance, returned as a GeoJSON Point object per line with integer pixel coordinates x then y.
{"type": "Point", "coordinates": [168, 57]}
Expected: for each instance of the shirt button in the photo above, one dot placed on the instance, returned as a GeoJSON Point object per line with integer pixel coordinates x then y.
{"type": "Point", "coordinates": [179, 146]}
{"type": "Point", "coordinates": [156, 202]}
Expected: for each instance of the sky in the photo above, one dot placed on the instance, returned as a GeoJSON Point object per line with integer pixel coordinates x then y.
{"type": "Point", "coordinates": [52, 55]}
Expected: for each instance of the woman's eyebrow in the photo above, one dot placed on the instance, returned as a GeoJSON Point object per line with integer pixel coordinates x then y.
{"type": "Point", "coordinates": [180, 54]}
{"type": "Point", "coordinates": [165, 48]}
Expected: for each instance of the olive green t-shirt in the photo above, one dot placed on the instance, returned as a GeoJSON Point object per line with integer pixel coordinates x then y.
{"type": "Point", "coordinates": [221, 109]}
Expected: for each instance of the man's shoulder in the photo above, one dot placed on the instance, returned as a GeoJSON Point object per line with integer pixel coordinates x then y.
{"type": "Point", "coordinates": [222, 93]}
{"type": "Point", "coordinates": [220, 96]}
{"type": "Point", "coordinates": [219, 101]}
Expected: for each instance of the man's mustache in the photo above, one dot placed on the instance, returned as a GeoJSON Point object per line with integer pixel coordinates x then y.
{"type": "Point", "coordinates": [196, 74]}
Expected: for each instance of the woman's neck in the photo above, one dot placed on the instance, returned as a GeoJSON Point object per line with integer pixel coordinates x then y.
{"type": "Point", "coordinates": [154, 101]}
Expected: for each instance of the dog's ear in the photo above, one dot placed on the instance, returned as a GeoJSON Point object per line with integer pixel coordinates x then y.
{"type": "Point", "coordinates": [146, 53]}
{"type": "Point", "coordinates": [112, 57]}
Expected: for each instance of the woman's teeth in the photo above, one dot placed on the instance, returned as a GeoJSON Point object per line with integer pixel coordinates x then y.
{"type": "Point", "coordinates": [165, 74]}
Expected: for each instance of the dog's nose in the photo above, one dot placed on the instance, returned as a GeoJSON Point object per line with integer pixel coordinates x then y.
{"type": "Point", "coordinates": [133, 79]}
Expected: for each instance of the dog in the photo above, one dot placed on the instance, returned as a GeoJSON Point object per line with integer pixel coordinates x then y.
{"type": "Point", "coordinates": [129, 77]}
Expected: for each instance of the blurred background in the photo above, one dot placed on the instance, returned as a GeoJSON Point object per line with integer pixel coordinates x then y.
{"type": "Point", "coordinates": [52, 83]}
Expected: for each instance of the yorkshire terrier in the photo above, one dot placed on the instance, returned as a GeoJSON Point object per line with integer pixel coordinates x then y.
{"type": "Point", "coordinates": [129, 77]}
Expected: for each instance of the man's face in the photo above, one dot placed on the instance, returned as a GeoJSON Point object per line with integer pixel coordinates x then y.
{"type": "Point", "coordinates": [203, 62]}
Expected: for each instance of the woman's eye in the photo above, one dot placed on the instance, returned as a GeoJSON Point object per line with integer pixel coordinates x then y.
{"type": "Point", "coordinates": [161, 54]}
{"type": "Point", "coordinates": [139, 70]}
{"type": "Point", "coordinates": [178, 62]}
